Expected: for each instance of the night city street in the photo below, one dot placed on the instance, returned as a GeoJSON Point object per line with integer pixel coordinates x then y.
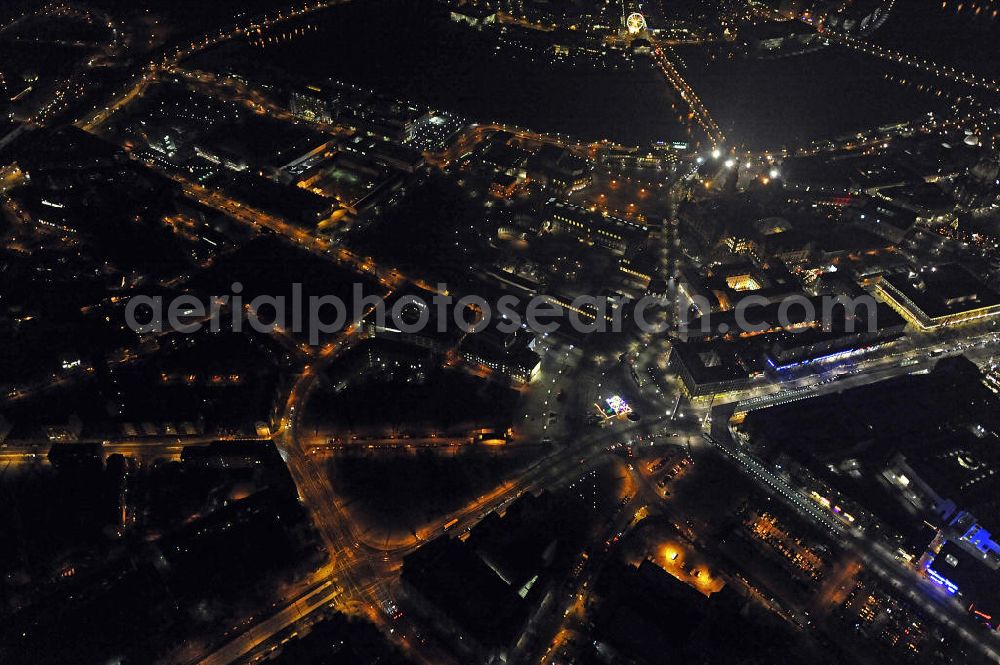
{"type": "Point", "coordinates": [500, 332]}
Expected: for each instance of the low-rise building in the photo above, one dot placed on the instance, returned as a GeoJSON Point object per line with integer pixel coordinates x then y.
{"type": "Point", "coordinates": [940, 296]}
{"type": "Point", "coordinates": [618, 235]}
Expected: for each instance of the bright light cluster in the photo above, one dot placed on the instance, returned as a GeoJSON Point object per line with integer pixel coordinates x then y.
{"type": "Point", "coordinates": [618, 405]}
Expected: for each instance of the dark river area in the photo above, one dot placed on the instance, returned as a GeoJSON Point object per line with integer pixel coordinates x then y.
{"type": "Point", "coordinates": [413, 51]}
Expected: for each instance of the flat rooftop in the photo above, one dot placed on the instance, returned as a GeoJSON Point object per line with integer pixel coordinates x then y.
{"type": "Point", "coordinates": [943, 291]}
{"type": "Point", "coordinates": [944, 423]}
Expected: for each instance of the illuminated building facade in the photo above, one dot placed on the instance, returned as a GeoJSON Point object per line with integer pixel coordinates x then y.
{"type": "Point", "coordinates": [939, 297]}
{"type": "Point", "coordinates": [612, 233]}
{"type": "Point", "coordinates": [311, 103]}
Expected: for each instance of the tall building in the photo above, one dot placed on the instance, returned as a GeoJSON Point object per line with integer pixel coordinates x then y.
{"type": "Point", "coordinates": [311, 103]}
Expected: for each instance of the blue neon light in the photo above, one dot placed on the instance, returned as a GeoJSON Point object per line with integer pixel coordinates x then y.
{"type": "Point", "coordinates": [846, 353]}
{"type": "Point", "coordinates": [937, 577]}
